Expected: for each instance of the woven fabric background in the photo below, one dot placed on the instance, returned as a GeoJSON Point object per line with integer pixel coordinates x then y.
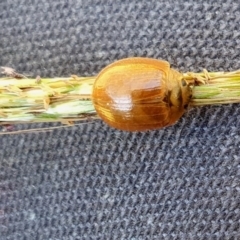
{"type": "Point", "coordinates": [94, 182]}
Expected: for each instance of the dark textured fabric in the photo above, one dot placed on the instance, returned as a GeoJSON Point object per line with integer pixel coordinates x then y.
{"type": "Point", "coordinates": [94, 182]}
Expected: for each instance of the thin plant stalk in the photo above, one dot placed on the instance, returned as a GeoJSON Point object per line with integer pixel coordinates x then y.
{"type": "Point", "coordinates": [29, 100]}
{"type": "Point", "coordinates": [46, 100]}
{"type": "Point", "coordinates": [214, 88]}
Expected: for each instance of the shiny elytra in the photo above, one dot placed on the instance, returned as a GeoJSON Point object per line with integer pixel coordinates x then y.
{"type": "Point", "coordinates": [139, 94]}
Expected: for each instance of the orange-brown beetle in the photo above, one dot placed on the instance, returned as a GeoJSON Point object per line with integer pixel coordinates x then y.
{"type": "Point", "coordinates": [139, 94]}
